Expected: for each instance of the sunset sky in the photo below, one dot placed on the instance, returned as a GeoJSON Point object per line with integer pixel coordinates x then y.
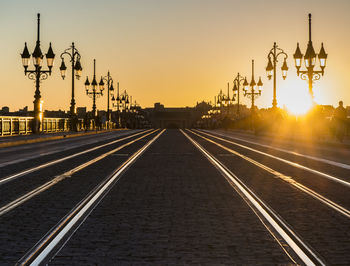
{"type": "Point", "coordinates": [174, 52]}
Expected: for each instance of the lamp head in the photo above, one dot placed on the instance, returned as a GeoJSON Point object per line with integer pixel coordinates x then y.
{"type": "Point", "coordinates": [25, 57]}
{"type": "Point", "coordinates": [78, 69]}
{"type": "Point", "coordinates": [87, 84]}
{"type": "Point", "coordinates": [37, 55]}
{"type": "Point", "coordinates": [298, 56]}
{"type": "Point", "coordinates": [284, 69]}
{"type": "Point", "coordinates": [269, 69]}
{"type": "Point", "coordinates": [322, 56]}
{"type": "Point", "coordinates": [310, 56]}
{"type": "Point", "coordinates": [63, 69]}
{"type": "Point", "coordinates": [50, 56]}
{"type": "Point", "coordinates": [101, 84]}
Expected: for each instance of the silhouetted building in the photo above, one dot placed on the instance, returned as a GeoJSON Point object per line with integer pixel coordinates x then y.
{"type": "Point", "coordinates": [161, 117]}
{"type": "Point", "coordinates": [81, 112]}
{"type": "Point", "coordinates": [5, 110]}
{"type": "Point", "coordinates": [56, 114]}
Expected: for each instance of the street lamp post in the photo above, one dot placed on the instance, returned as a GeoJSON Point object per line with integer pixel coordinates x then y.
{"type": "Point", "coordinates": [310, 74]}
{"type": "Point", "coordinates": [110, 88]}
{"type": "Point", "coordinates": [255, 88]}
{"type": "Point", "coordinates": [37, 74]}
{"type": "Point", "coordinates": [117, 100]}
{"type": "Point", "coordinates": [228, 100]}
{"type": "Point", "coordinates": [74, 56]}
{"type": "Point", "coordinates": [124, 101]}
{"type": "Point", "coordinates": [274, 53]}
{"type": "Point", "coordinates": [92, 91]}
{"type": "Point", "coordinates": [237, 82]}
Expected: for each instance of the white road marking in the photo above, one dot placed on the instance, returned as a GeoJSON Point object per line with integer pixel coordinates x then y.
{"type": "Point", "coordinates": [36, 168]}
{"type": "Point", "coordinates": [24, 198]}
{"type": "Point", "coordinates": [46, 246]}
{"type": "Point", "coordinates": [262, 208]}
{"type": "Point", "coordinates": [330, 177]}
{"type": "Point", "coordinates": [338, 164]}
{"type": "Point", "coordinates": [340, 209]}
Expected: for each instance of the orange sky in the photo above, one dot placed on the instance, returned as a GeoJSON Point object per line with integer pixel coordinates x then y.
{"type": "Point", "coordinates": [174, 52]}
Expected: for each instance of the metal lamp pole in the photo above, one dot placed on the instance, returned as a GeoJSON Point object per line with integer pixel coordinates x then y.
{"type": "Point", "coordinates": [310, 74]}
{"type": "Point", "coordinates": [92, 91]}
{"type": "Point", "coordinates": [110, 88]}
{"type": "Point", "coordinates": [38, 74]}
{"type": "Point", "coordinates": [74, 56]}
{"type": "Point", "coordinates": [254, 91]}
{"type": "Point", "coordinates": [274, 53]}
{"type": "Point", "coordinates": [236, 87]}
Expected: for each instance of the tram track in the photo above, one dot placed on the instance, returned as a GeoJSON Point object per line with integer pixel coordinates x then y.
{"type": "Point", "coordinates": [288, 179]}
{"type": "Point", "coordinates": [27, 196]}
{"type": "Point", "coordinates": [270, 219]}
{"type": "Point", "coordinates": [14, 176]}
{"type": "Point", "coordinates": [45, 149]}
{"type": "Point", "coordinates": [291, 163]}
{"type": "Point", "coordinates": [56, 238]}
{"type": "Point", "coordinates": [287, 151]}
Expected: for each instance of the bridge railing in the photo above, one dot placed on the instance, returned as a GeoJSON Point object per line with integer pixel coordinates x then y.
{"type": "Point", "coordinates": [19, 125]}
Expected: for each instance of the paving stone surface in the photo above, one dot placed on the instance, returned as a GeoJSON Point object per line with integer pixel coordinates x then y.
{"type": "Point", "coordinates": [23, 227]}
{"type": "Point", "coordinates": [172, 207]}
{"type": "Point", "coordinates": [321, 227]}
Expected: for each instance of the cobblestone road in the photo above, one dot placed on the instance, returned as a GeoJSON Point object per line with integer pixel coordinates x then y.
{"type": "Point", "coordinates": [172, 207]}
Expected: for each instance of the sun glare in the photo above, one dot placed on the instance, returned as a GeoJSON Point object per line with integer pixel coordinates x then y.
{"type": "Point", "coordinates": [300, 107]}
{"type": "Point", "coordinates": [296, 99]}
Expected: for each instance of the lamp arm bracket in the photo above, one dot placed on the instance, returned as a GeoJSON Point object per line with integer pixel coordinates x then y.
{"type": "Point", "coordinates": [304, 75]}
{"type": "Point", "coordinates": [32, 75]}
{"type": "Point", "coordinates": [282, 53]}
{"type": "Point", "coordinates": [316, 75]}
{"type": "Point", "coordinates": [76, 52]}
{"type": "Point", "coordinates": [43, 75]}
{"type": "Point", "coordinates": [67, 53]}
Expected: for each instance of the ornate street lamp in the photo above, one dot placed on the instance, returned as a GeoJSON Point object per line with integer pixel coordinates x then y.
{"type": "Point", "coordinates": [274, 53]}
{"type": "Point", "coordinates": [92, 91]}
{"type": "Point", "coordinates": [74, 57]}
{"type": "Point", "coordinates": [310, 61]}
{"type": "Point", "coordinates": [116, 104]}
{"type": "Point", "coordinates": [37, 74]}
{"type": "Point", "coordinates": [110, 88]}
{"type": "Point", "coordinates": [124, 101]}
{"type": "Point", "coordinates": [237, 82]}
{"type": "Point", "coordinates": [228, 99]}
{"type": "Point", "coordinates": [255, 88]}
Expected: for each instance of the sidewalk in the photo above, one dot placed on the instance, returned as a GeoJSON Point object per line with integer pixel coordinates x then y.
{"type": "Point", "coordinates": [10, 141]}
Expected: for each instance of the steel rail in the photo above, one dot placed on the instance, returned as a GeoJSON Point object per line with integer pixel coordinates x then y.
{"type": "Point", "coordinates": [24, 198]}
{"type": "Point", "coordinates": [39, 253]}
{"type": "Point", "coordinates": [334, 163]}
{"type": "Point", "coordinates": [36, 168]}
{"type": "Point", "coordinates": [89, 139]}
{"type": "Point", "coordinates": [297, 165]}
{"type": "Point", "coordinates": [329, 203]}
{"type": "Point", "coordinates": [300, 248]}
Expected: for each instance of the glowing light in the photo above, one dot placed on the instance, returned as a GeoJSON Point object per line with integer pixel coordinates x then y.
{"type": "Point", "coordinates": [295, 98]}
{"type": "Point", "coordinates": [299, 107]}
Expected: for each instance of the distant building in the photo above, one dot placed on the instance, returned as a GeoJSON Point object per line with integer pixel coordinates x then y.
{"type": "Point", "coordinates": [161, 117]}
{"type": "Point", "coordinates": [5, 110]}
{"type": "Point", "coordinates": [56, 114]}
{"type": "Point", "coordinates": [81, 112]}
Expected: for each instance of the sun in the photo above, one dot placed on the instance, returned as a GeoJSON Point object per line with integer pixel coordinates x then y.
{"type": "Point", "coordinates": [295, 97]}
{"type": "Point", "coordinates": [300, 107]}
